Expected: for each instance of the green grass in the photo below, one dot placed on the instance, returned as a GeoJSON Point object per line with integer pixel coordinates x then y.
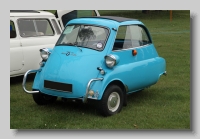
{"type": "Point", "coordinates": [165, 105]}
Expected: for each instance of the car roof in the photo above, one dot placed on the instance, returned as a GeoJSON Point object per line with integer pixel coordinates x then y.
{"type": "Point", "coordinates": [106, 21]}
{"type": "Point", "coordinates": [115, 18]}
{"type": "Point", "coordinates": [29, 13]}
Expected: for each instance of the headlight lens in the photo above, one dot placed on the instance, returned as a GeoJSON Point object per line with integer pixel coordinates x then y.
{"type": "Point", "coordinates": [110, 61]}
{"type": "Point", "coordinates": [44, 53]}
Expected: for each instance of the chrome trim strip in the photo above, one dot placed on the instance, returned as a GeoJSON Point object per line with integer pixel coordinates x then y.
{"type": "Point", "coordinates": [24, 81]}
{"type": "Point", "coordinates": [133, 48]}
{"type": "Point", "coordinates": [88, 86]}
{"type": "Point", "coordinates": [112, 56]}
{"type": "Point", "coordinates": [163, 73]}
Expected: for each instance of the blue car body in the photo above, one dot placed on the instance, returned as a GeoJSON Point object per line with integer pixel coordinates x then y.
{"type": "Point", "coordinates": [72, 71]}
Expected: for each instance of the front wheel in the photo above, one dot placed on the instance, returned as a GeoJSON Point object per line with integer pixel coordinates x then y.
{"type": "Point", "coordinates": [43, 99]}
{"type": "Point", "coordinates": [112, 101]}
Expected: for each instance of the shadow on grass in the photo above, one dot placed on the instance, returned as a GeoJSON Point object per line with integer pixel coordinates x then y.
{"type": "Point", "coordinates": [19, 79]}
{"type": "Point", "coordinates": [71, 106]}
{"type": "Point", "coordinates": [92, 107]}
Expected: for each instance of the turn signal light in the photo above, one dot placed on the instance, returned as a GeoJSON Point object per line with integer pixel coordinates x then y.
{"type": "Point", "coordinates": [134, 52]}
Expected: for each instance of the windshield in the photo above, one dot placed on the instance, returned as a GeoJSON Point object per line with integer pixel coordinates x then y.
{"type": "Point", "coordinates": [93, 37]}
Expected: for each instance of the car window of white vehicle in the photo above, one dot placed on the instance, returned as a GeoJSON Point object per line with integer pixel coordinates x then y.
{"type": "Point", "coordinates": [12, 30]}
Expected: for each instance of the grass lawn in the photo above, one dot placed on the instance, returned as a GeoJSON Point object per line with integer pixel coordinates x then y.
{"type": "Point", "coordinates": [165, 105]}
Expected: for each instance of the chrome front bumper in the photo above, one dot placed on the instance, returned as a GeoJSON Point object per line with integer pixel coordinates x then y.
{"type": "Point", "coordinates": [24, 81]}
{"type": "Point", "coordinates": [88, 87]}
{"type": "Point", "coordinates": [34, 71]}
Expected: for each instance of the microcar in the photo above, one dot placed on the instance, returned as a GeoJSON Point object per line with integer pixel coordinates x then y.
{"type": "Point", "coordinates": [101, 58]}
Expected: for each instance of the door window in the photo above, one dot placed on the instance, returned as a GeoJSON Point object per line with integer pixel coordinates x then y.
{"type": "Point", "coordinates": [35, 27]}
{"type": "Point", "coordinates": [131, 36]}
{"type": "Point", "coordinates": [56, 26]}
{"type": "Point", "coordinates": [12, 30]}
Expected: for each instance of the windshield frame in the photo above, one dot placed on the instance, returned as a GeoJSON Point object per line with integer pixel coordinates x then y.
{"type": "Point", "coordinates": [104, 45]}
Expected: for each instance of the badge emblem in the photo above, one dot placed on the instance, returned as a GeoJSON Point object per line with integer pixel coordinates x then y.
{"type": "Point", "coordinates": [68, 53]}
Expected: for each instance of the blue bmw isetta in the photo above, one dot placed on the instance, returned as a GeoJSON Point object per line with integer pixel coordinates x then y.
{"type": "Point", "coordinates": [100, 58]}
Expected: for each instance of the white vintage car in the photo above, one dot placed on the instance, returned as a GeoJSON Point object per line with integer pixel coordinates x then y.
{"type": "Point", "coordinates": [32, 30]}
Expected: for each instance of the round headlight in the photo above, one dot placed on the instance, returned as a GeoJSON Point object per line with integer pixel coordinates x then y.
{"type": "Point", "coordinates": [44, 53]}
{"type": "Point", "coordinates": [110, 61]}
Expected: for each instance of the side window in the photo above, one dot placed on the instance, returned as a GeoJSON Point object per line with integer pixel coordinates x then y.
{"type": "Point", "coordinates": [139, 35]}
{"type": "Point", "coordinates": [43, 27]}
{"type": "Point", "coordinates": [56, 26]}
{"type": "Point", "coordinates": [77, 13]}
{"type": "Point", "coordinates": [35, 27]}
{"type": "Point", "coordinates": [12, 30]}
{"type": "Point", "coordinates": [130, 37]}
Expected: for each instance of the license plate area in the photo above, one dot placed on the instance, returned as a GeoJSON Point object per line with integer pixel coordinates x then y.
{"type": "Point", "coordinates": [64, 87]}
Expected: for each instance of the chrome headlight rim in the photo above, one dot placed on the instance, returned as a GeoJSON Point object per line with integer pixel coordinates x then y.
{"type": "Point", "coordinates": [110, 61]}
{"type": "Point", "coordinates": [44, 53]}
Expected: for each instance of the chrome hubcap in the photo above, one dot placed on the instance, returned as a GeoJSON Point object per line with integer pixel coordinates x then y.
{"type": "Point", "coordinates": [113, 101]}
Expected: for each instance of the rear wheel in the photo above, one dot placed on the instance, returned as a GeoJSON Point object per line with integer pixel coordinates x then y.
{"type": "Point", "coordinates": [43, 99]}
{"type": "Point", "coordinates": [112, 101]}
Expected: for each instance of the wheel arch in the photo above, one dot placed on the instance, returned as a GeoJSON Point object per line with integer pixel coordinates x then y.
{"type": "Point", "coordinates": [121, 85]}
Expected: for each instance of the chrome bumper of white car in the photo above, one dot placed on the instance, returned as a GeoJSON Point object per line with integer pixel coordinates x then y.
{"type": "Point", "coordinates": [24, 81]}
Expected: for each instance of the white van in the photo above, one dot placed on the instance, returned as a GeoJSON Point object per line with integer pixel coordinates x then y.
{"type": "Point", "coordinates": [32, 30]}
